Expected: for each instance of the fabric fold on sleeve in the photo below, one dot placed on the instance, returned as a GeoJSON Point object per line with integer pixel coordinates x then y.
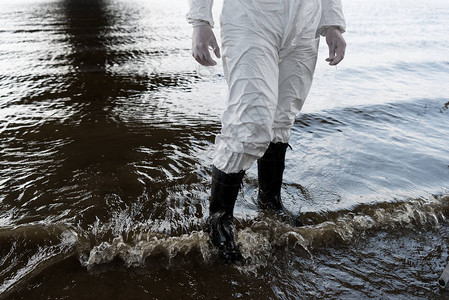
{"type": "Point", "coordinates": [331, 16]}
{"type": "Point", "coordinates": [200, 11]}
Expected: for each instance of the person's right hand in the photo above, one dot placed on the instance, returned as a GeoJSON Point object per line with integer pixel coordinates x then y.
{"type": "Point", "coordinates": [202, 38]}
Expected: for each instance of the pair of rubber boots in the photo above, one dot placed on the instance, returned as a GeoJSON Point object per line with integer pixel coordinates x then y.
{"type": "Point", "coordinates": [225, 188]}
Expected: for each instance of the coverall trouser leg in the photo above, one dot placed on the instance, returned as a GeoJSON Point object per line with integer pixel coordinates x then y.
{"type": "Point", "coordinates": [269, 52]}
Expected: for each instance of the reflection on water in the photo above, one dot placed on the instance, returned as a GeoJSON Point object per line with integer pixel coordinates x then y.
{"type": "Point", "coordinates": [106, 135]}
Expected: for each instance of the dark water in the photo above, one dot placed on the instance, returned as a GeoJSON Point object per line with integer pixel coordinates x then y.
{"type": "Point", "coordinates": [106, 135]}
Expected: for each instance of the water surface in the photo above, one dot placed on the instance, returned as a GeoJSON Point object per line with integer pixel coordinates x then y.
{"type": "Point", "coordinates": [106, 137]}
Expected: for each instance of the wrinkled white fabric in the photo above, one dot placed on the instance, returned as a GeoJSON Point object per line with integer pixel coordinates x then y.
{"type": "Point", "coordinates": [200, 10]}
{"type": "Point", "coordinates": [331, 15]}
{"type": "Point", "coordinates": [269, 50]}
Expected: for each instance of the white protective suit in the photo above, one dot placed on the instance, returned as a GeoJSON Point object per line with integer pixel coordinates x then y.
{"type": "Point", "coordinates": [269, 50]}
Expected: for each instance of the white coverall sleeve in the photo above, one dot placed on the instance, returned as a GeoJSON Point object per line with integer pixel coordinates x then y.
{"type": "Point", "coordinates": [331, 16]}
{"type": "Point", "coordinates": [200, 12]}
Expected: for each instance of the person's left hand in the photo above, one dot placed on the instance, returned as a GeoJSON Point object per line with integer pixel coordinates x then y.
{"type": "Point", "coordinates": [203, 37]}
{"type": "Point", "coordinates": [337, 46]}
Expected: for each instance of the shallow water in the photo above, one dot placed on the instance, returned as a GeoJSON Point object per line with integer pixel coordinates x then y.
{"type": "Point", "coordinates": [106, 135]}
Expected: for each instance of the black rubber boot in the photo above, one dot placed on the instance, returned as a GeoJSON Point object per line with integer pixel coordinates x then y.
{"type": "Point", "coordinates": [270, 169]}
{"type": "Point", "coordinates": [225, 188]}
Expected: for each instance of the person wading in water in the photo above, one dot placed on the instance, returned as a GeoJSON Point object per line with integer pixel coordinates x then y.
{"type": "Point", "coordinates": [269, 50]}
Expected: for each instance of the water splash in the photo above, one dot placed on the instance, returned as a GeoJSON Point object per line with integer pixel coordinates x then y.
{"type": "Point", "coordinates": [259, 238]}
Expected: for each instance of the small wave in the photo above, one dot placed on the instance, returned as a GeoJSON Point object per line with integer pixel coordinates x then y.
{"type": "Point", "coordinates": [346, 226]}
{"type": "Point", "coordinates": [258, 238]}
{"type": "Point", "coordinates": [389, 113]}
{"type": "Point", "coordinates": [155, 245]}
{"type": "Point", "coordinates": [32, 249]}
